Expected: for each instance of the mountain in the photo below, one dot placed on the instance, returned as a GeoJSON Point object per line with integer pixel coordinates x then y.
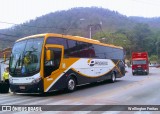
{"type": "Point", "coordinates": [75, 21]}
{"type": "Point", "coordinates": [141, 32]}
{"type": "Point", "coordinates": [152, 22]}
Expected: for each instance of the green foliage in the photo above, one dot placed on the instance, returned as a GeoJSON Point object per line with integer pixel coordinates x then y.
{"type": "Point", "coordinates": [153, 58]}
{"type": "Point", "coordinates": [114, 38]}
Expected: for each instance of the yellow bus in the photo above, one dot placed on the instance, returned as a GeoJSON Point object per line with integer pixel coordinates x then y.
{"type": "Point", "coordinates": [50, 62]}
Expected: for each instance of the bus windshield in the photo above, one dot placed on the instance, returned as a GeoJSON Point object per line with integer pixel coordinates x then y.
{"type": "Point", "coordinates": [25, 57]}
{"type": "Point", "coordinates": [136, 62]}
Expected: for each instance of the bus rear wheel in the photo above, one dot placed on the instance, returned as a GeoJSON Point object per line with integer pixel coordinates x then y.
{"type": "Point", "coordinates": [113, 78]}
{"type": "Point", "coordinates": [71, 84]}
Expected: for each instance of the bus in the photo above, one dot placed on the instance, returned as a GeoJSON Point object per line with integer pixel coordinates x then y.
{"type": "Point", "coordinates": [49, 62]}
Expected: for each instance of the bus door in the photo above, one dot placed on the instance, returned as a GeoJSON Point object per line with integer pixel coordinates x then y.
{"type": "Point", "coordinates": [52, 63]}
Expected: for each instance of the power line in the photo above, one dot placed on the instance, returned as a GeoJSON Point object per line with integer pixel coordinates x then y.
{"type": "Point", "coordinates": [8, 40]}
{"type": "Point", "coordinates": [60, 28]}
{"type": "Point", "coordinates": [65, 30]}
{"type": "Point", "coordinates": [8, 35]}
{"type": "Point", "coordinates": [29, 25]}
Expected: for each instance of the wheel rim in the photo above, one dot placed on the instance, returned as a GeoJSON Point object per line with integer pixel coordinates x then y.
{"type": "Point", "coordinates": [71, 84]}
{"type": "Point", "coordinates": [113, 77]}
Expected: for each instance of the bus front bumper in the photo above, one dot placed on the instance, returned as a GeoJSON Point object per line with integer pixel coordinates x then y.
{"type": "Point", "coordinates": [27, 88]}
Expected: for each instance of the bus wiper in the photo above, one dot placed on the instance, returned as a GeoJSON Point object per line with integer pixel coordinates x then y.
{"type": "Point", "coordinates": [16, 64]}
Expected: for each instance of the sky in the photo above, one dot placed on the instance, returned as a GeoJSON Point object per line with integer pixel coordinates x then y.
{"type": "Point", "coordinates": [20, 11]}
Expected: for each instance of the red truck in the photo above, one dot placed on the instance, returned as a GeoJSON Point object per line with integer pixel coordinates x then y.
{"type": "Point", "coordinates": [140, 63]}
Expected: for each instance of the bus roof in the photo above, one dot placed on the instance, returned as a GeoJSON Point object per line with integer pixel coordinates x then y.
{"type": "Point", "coordinates": [78, 38]}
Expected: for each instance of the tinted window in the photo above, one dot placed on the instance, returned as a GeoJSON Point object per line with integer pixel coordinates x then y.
{"type": "Point", "coordinates": [59, 41]}
{"type": "Point", "coordinates": [74, 48]}
{"type": "Point", "coordinates": [80, 49]}
{"type": "Point", "coordinates": [54, 63]}
{"type": "Point", "coordinates": [117, 53]}
{"type": "Point", "coordinates": [136, 62]}
{"type": "Point", "coordinates": [103, 52]}
{"type": "Point", "coordinates": [25, 57]}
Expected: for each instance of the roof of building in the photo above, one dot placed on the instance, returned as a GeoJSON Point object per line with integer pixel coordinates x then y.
{"type": "Point", "coordinates": [6, 51]}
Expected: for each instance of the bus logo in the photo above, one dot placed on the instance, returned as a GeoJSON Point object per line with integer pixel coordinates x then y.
{"type": "Point", "coordinates": [91, 62]}
{"type": "Point", "coordinates": [97, 63]}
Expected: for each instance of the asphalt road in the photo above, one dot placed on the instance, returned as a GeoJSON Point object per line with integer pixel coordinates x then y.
{"type": "Point", "coordinates": [129, 90]}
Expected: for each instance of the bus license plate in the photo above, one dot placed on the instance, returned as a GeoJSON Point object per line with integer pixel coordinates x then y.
{"type": "Point", "coordinates": [22, 87]}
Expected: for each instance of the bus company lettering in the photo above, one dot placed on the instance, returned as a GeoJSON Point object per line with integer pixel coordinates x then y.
{"type": "Point", "coordinates": [101, 62]}
{"type": "Point", "coordinates": [97, 63]}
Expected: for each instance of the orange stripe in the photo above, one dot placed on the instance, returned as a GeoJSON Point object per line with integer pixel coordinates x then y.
{"type": "Point", "coordinates": [56, 74]}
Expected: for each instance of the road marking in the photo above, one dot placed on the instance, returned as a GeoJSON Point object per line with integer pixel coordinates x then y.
{"type": "Point", "coordinates": [76, 103]}
{"type": "Point", "coordinates": [81, 112]}
{"type": "Point", "coordinates": [111, 112]}
{"type": "Point", "coordinates": [19, 101]}
{"type": "Point", "coordinates": [144, 112]}
{"type": "Point", "coordinates": [40, 102]}
{"type": "Point", "coordinates": [10, 100]}
{"type": "Point", "coordinates": [58, 102]}
{"type": "Point", "coordinates": [52, 112]}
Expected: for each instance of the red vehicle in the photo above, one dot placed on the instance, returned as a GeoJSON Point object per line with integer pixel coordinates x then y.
{"type": "Point", "coordinates": [140, 64]}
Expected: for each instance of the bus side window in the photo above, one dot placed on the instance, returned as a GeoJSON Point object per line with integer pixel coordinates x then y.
{"type": "Point", "coordinates": [54, 63]}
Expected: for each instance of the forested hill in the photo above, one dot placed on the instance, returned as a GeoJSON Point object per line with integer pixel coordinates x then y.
{"type": "Point", "coordinates": [152, 22]}
{"type": "Point", "coordinates": [78, 18]}
{"type": "Point", "coordinates": [118, 29]}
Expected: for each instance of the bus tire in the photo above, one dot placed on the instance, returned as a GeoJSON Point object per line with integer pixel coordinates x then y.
{"type": "Point", "coordinates": [133, 73]}
{"type": "Point", "coordinates": [113, 78]}
{"type": "Point", "coordinates": [71, 84]}
{"type": "Point", "coordinates": [147, 73]}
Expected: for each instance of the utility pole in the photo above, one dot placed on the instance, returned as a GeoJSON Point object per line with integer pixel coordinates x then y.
{"type": "Point", "coordinates": [157, 53]}
{"type": "Point", "coordinates": [90, 31]}
{"type": "Point", "coordinates": [95, 26]}
{"type": "Point", "coordinates": [157, 50]}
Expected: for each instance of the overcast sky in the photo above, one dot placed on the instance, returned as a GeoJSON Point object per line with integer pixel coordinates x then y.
{"type": "Point", "coordinates": [19, 11]}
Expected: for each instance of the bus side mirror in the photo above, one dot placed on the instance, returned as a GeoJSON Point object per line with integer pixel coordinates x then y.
{"type": "Point", "coordinates": [49, 55]}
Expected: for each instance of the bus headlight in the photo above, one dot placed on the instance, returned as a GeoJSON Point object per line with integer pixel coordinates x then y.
{"type": "Point", "coordinates": [36, 80]}
{"type": "Point", "coordinates": [10, 81]}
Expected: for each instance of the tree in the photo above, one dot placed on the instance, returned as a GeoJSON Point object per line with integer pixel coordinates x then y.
{"type": "Point", "coordinates": [141, 33]}
{"type": "Point", "coordinates": [153, 58]}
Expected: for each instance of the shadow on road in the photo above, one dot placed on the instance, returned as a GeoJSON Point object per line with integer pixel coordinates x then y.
{"type": "Point", "coordinates": [63, 92]}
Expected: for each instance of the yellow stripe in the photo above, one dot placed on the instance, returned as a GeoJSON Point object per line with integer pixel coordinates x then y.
{"type": "Point", "coordinates": [55, 75]}
{"type": "Point", "coordinates": [116, 65]}
{"type": "Point", "coordinates": [77, 38]}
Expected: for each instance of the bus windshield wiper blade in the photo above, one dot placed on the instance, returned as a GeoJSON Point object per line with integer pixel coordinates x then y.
{"type": "Point", "coordinates": [16, 64]}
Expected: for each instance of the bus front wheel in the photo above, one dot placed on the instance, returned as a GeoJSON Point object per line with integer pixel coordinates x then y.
{"type": "Point", "coordinates": [71, 84]}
